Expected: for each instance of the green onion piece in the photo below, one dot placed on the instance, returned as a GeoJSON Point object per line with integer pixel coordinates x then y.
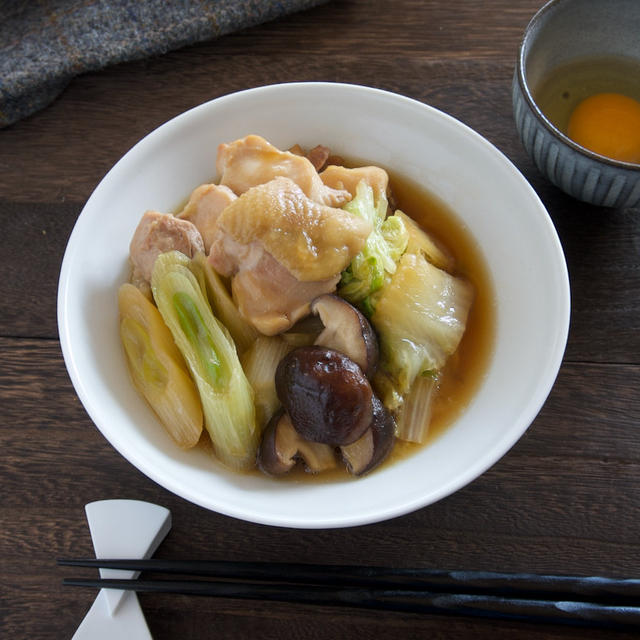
{"type": "Point", "coordinates": [199, 336]}
{"type": "Point", "coordinates": [211, 356]}
{"type": "Point", "coordinates": [141, 355]}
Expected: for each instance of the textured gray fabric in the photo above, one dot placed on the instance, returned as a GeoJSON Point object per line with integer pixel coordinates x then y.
{"type": "Point", "coordinates": [44, 44]}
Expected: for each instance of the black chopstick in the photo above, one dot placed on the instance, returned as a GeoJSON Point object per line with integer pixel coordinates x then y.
{"type": "Point", "coordinates": [614, 591]}
{"type": "Point", "coordinates": [575, 600]}
{"type": "Point", "coordinates": [568, 612]}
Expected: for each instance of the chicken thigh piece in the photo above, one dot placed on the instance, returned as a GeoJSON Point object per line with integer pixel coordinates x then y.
{"type": "Point", "coordinates": [347, 179]}
{"type": "Point", "coordinates": [205, 205]}
{"type": "Point", "coordinates": [156, 233]}
{"type": "Point", "coordinates": [282, 250]}
{"type": "Point", "coordinates": [252, 160]}
{"type": "Point", "coordinates": [266, 292]}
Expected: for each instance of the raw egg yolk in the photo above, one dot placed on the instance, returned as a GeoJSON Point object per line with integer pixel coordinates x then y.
{"type": "Point", "coordinates": [608, 124]}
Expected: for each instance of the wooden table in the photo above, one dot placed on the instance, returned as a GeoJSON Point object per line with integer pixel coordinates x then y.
{"type": "Point", "coordinates": [565, 499]}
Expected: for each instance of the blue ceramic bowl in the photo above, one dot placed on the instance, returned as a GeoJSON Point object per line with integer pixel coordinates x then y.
{"type": "Point", "coordinates": [561, 32]}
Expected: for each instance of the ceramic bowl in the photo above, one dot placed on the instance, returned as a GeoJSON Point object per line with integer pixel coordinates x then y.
{"type": "Point", "coordinates": [489, 196]}
{"type": "Point", "coordinates": [561, 32]}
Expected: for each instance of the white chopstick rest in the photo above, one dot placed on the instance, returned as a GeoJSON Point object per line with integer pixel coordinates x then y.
{"type": "Point", "coordinates": [125, 528]}
{"type": "Point", "coordinates": [121, 529]}
{"type": "Point", "coordinates": [128, 623]}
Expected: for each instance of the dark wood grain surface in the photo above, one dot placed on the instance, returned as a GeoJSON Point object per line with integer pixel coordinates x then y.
{"type": "Point", "coordinates": [565, 499]}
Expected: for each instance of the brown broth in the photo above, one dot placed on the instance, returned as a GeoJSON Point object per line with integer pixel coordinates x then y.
{"type": "Point", "coordinates": [465, 369]}
{"type": "Point", "coordinates": [467, 366]}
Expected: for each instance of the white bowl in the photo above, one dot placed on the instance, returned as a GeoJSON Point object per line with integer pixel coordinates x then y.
{"type": "Point", "coordinates": [490, 196]}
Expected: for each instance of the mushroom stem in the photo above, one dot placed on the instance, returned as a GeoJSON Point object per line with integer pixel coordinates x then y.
{"type": "Point", "coordinates": [282, 447]}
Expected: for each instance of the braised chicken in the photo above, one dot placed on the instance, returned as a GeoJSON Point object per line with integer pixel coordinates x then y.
{"type": "Point", "coordinates": [282, 250]}
{"type": "Point", "coordinates": [157, 233]}
{"type": "Point", "coordinates": [252, 160]}
{"type": "Point", "coordinates": [342, 178]}
{"type": "Point", "coordinates": [205, 205]}
{"type": "Point", "coordinates": [267, 294]}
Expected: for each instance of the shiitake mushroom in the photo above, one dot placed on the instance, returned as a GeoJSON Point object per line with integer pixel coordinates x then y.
{"type": "Point", "coordinates": [327, 398]}
{"type": "Point", "coordinates": [282, 447]}
{"type": "Point", "coordinates": [371, 448]}
{"type": "Point", "coordinates": [326, 395]}
{"type": "Point", "coordinates": [346, 330]}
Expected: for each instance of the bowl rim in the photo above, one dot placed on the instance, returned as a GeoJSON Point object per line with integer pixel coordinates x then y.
{"type": "Point", "coordinates": [521, 76]}
{"type": "Point", "coordinates": [492, 455]}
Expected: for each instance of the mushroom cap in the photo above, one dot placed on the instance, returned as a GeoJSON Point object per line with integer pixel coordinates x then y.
{"type": "Point", "coordinates": [326, 395]}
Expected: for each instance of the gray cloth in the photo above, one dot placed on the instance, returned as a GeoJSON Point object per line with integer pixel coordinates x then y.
{"type": "Point", "coordinates": [44, 44]}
